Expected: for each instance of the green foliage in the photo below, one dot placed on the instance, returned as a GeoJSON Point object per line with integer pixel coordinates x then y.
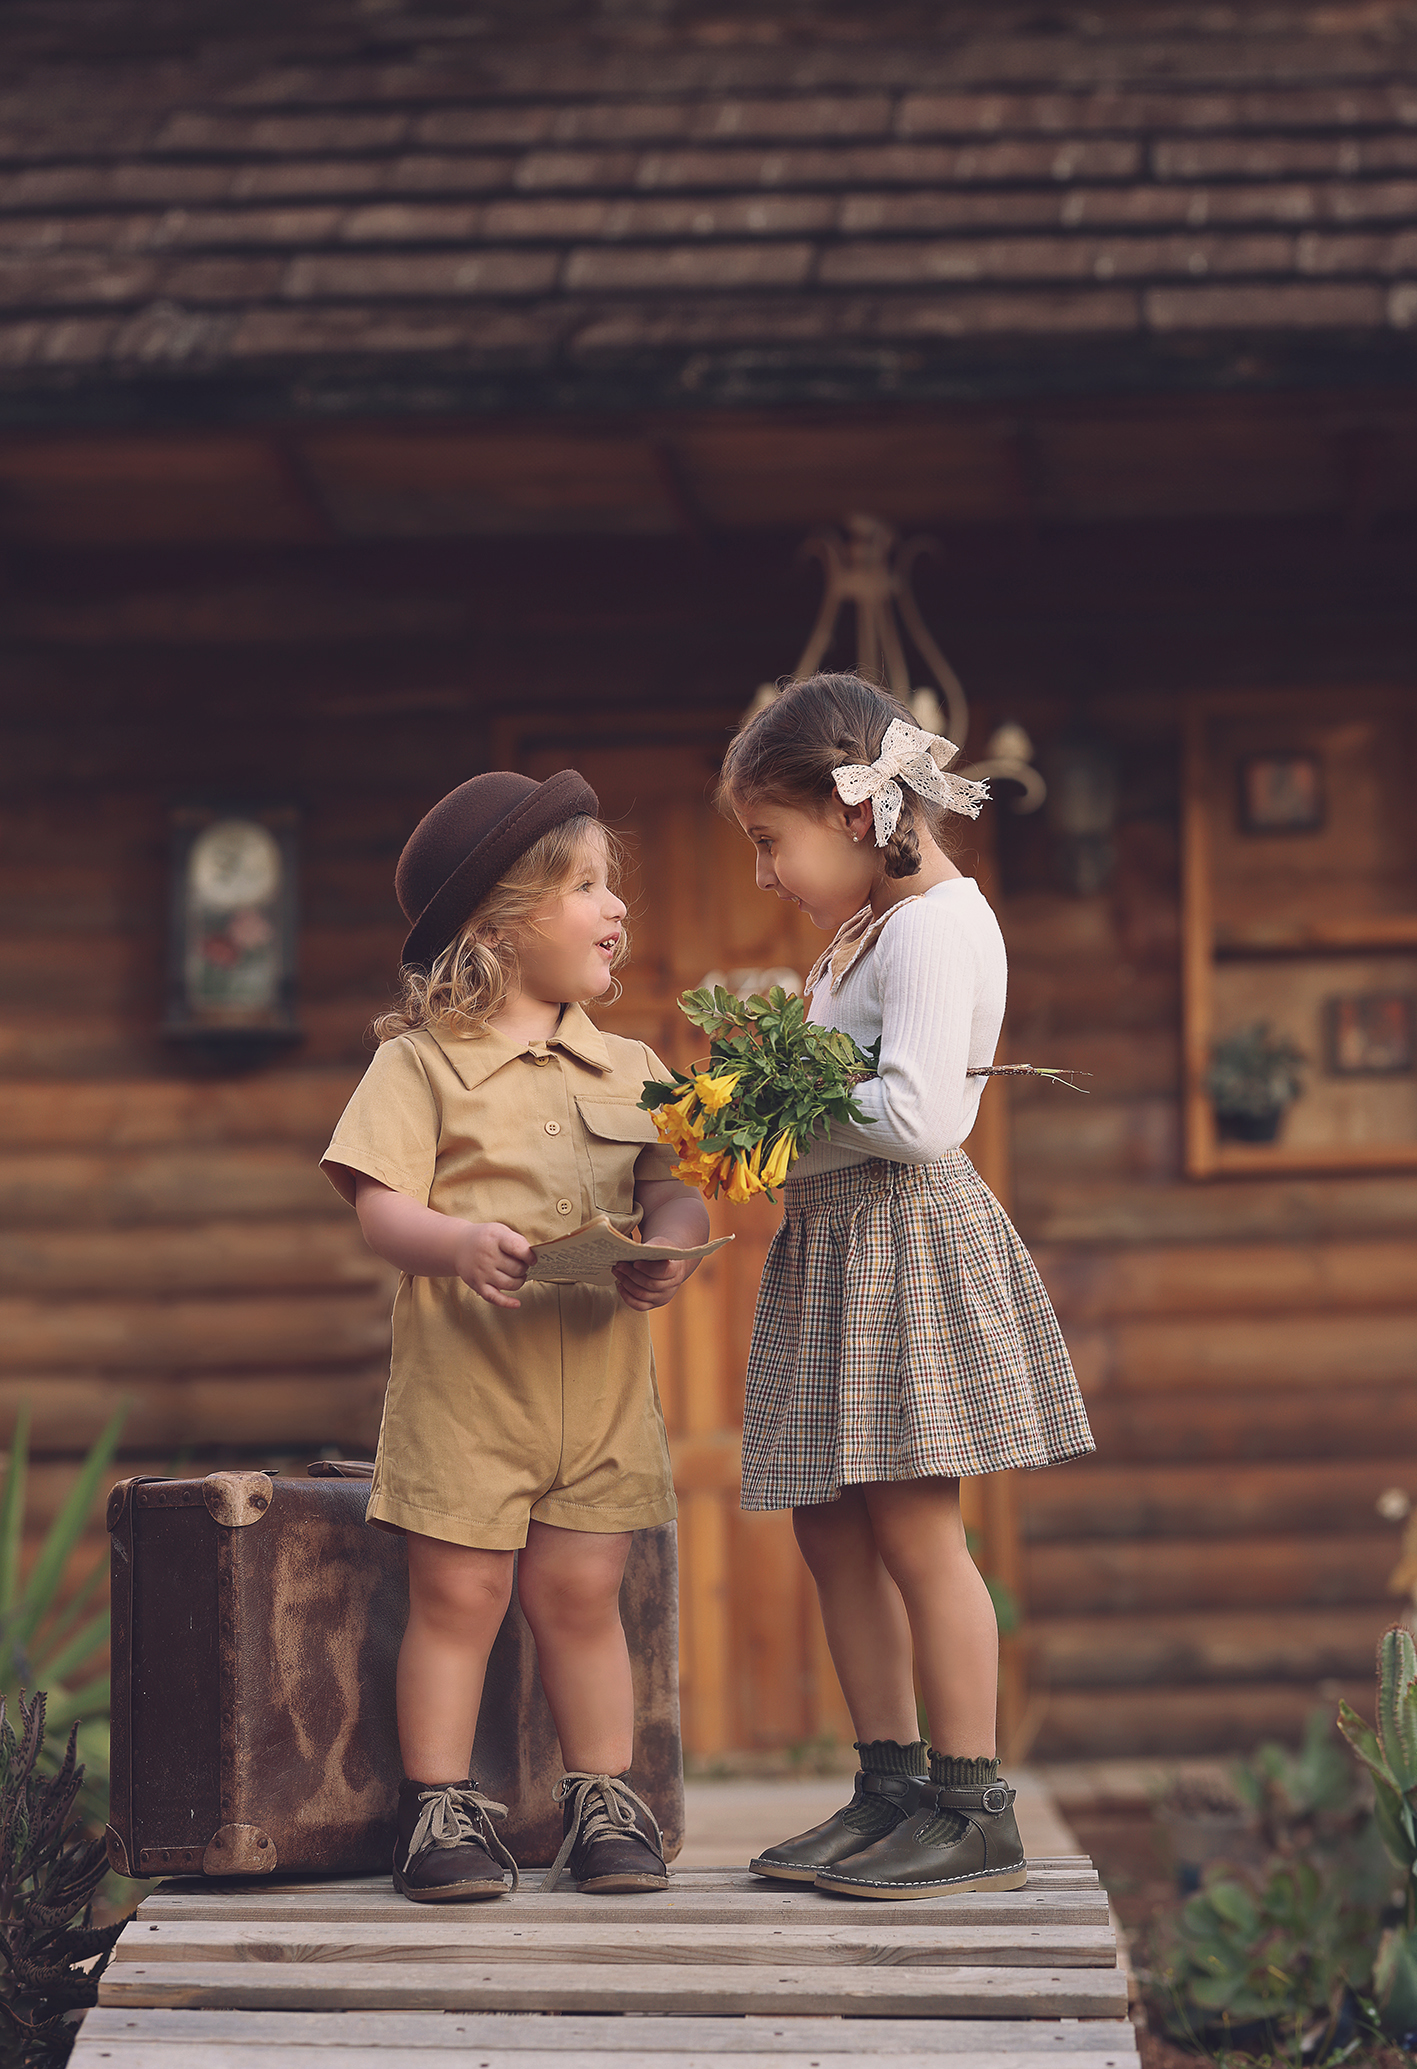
{"type": "Point", "coordinates": [1254, 1071]}
{"type": "Point", "coordinates": [41, 1643]}
{"type": "Point", "coordinates": [792, 1077]}
{"type": "Point", "coordinates": [49, 1870]}
{"type": "Point", "coordinates": [1275, 1951]}
{"type": "Point", "coordinates": [1395, 1985]}
{"type": "Point", "coordinates": [1313, 1803]}
{"type": "Point", "coordinates": [1390, 1756]}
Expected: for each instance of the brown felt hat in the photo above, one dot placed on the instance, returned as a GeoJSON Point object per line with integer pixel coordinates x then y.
{"type": "Point", "coordinates": [471, 837]}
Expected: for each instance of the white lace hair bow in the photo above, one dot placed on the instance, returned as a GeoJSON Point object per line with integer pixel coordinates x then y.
{"type": "Point", "coordinates": [915, 759]}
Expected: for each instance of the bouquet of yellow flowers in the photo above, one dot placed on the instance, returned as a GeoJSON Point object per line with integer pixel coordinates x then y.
{"type": "Point", "coordinates": [773, 1080]}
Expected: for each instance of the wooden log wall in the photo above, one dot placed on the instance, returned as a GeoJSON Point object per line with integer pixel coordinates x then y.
{"type": "Point", "coordinates": [166, 1240]}
{"type": "Point", "coordinates": [1246, 1347]}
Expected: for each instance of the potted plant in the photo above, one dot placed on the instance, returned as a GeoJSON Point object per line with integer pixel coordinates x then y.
{"type": "Point", "coordinates": [1253, 1079]}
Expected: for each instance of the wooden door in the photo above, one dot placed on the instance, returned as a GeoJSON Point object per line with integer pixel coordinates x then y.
{"type": "Point", "coordinates": [754, 1664]}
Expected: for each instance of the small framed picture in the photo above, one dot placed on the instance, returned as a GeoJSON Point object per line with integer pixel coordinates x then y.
{"type": "Point", "coordinates": [1281, 793]}
{"type": "Point", "coordinates": [234, 928]}
{"type": "Point", "coordinates": [1371, 1034]}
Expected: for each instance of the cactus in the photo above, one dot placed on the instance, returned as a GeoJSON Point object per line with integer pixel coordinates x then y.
{"type": "Point", "coordinates": [1390, 1756]}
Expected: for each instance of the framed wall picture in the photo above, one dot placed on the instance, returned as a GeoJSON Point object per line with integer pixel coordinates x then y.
{"type": "Point", "coordinates": [1371, 1034]}
{"type": "Point", "coordinates": [1281, 793]}
{"type": "Point", "coordinates": [233, 927]}
{"type": "Point", "coordinates": [1315, 936]}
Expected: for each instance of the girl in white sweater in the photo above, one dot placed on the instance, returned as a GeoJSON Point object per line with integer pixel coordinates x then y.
{"type": "Point", "coordinates": [903, 1337]}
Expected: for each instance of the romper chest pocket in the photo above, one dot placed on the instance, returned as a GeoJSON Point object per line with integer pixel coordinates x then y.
{"type": "Point", "coordinates": [615, 1133]}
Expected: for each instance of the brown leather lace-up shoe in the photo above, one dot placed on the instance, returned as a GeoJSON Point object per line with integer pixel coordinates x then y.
{"type": "Point", "coordinates": [878, 1804]}
{"type": "Point", "coordinates": [613, 1843]}
{"type": "Point", "coordinates": [959, 1839]}
{"type": "Point", "coordinates": [447, 1851]}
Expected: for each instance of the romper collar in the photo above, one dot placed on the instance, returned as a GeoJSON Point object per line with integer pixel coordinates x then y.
{"type": "Point", "coordinates": [476, 1058]}
{"type": "Point", "coordinates": [579, 1034]}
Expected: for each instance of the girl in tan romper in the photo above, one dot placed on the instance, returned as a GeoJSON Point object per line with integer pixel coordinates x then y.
{"type": "Point", "coordinates": [520, 1417]}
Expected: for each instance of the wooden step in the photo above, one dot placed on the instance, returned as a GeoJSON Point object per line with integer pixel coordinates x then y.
{"type": "Point", "coordinates": [843, 1938]}
{"type": "Point", "coordinates": [719, 1949]}
{"type": "Point", "coordinates": [141, 2039]}
{"type": "Point", "coordinates": [786, 1986]}
{"type": "Point", "coordinates": [767, 1905]}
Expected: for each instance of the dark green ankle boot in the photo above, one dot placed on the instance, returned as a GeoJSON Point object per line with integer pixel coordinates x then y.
{"type": "Point", "coordinates": [964, 1836]}
{"type": "Point", "coordinates": [892, 1783]}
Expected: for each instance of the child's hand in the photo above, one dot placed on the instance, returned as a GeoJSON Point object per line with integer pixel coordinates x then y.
{"type": "Point", "coordinates": [494, 1260]}
{"type": "Point", "coordinates": [647, 1286]}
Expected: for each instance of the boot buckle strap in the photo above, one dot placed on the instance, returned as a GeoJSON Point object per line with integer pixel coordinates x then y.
{"type": "Point", "coordinates": [895, 1786]}
{"type": "Point", "coordinates": [993, 1797]}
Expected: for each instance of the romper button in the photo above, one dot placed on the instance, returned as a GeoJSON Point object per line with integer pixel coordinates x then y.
{"type": "Point", "coordinates": [553, 1127]}
{"type": "Point", "coordinates": [563, 1206]}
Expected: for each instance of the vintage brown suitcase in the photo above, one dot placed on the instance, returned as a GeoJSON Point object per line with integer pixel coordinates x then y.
{"type": "Point", "coordinates": [256, 1624]}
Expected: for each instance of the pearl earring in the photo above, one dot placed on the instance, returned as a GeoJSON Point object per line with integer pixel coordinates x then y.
{"type": "Point", "coordinates": [854, 839]}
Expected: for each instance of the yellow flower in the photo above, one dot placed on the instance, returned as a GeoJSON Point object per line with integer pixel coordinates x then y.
{"type": "Point", "coordinates": [780, 1156]}
{"type": "Point", "coordinates": [702, 1168]}
{"type": "Point", "coordinates": [674, 1123]}
{"type": "Point", "coordinates": [746, 1180]}
{"type": "Point", "coordinates": [716, 1092]}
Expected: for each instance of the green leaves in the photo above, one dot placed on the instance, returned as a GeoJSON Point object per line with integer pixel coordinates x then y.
{"type": "Point", "coordinates": [1395, 1981]}
{"type": "Point", "coordinates": [41, 1644]}
{"type": "Point", "coordinates": [1274, 1951]}
{"type": "Point", "coordinates": [1390, 1756]}
{"type": "Point", "coordinates": [792, 1078]}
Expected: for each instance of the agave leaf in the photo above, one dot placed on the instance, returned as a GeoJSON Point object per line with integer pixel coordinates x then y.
{"type": "Point", "coordinates": [58, 1666]}
{"type": "Point", "coordinates": [65, 1531]}
{"type": "Point", "coordinates": [12, 1510]}
{"type": "Point", "coordinates": [1364, 1741]}
{"type": "Point", "coordinates": [1392, 1814]}
{"type": "Point", "coordinates": [45, 1652]}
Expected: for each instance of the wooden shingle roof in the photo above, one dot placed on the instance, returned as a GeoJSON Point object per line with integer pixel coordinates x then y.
{"type": "Point", "coordinates": [325, 207]}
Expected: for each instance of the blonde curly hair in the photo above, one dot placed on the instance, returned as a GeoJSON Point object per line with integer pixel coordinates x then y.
{"type": "Point", "coordinates": [473, 977]}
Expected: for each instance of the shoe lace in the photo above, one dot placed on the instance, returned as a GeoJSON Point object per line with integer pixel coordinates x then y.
{"type": "Point", "coordinates": [455, 1815]}
{"type": "Point", "coordinates": [602, 1807]}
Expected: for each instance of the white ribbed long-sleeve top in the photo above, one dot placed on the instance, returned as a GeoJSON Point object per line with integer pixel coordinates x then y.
{"type": "Point", "coordinates": [932, 986]}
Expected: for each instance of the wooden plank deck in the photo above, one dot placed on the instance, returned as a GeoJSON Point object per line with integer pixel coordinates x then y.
{"type": "Point", "coordinates": [721, 1968]}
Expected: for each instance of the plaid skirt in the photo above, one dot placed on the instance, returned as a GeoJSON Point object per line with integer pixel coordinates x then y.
{"type": "Point", "coordinates": [902, 1333]}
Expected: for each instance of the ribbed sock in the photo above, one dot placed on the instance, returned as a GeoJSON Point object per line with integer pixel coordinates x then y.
{"type": "Point", "coordinates": [947, 1825]}
{"type": "Point", "coordinates": [874, 1816]}
{"type": "Point", "coordinates": [962, 1774]}
{"type": "Point", "coordinates": [888, 1756]}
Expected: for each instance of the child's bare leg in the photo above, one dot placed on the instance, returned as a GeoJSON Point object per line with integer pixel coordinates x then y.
{"type": "Point", "coordinates": [920, 1537]}
{"type": "Point", "coordinates": [569, 1585]}
{"type": "Point", "coordinates": [457, 1597]}
{"type": "Point", "coordinates": [868, 1633]}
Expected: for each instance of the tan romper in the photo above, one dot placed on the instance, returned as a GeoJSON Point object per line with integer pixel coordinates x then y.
{"type": "Point", "coordinates": [493, 1415]}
